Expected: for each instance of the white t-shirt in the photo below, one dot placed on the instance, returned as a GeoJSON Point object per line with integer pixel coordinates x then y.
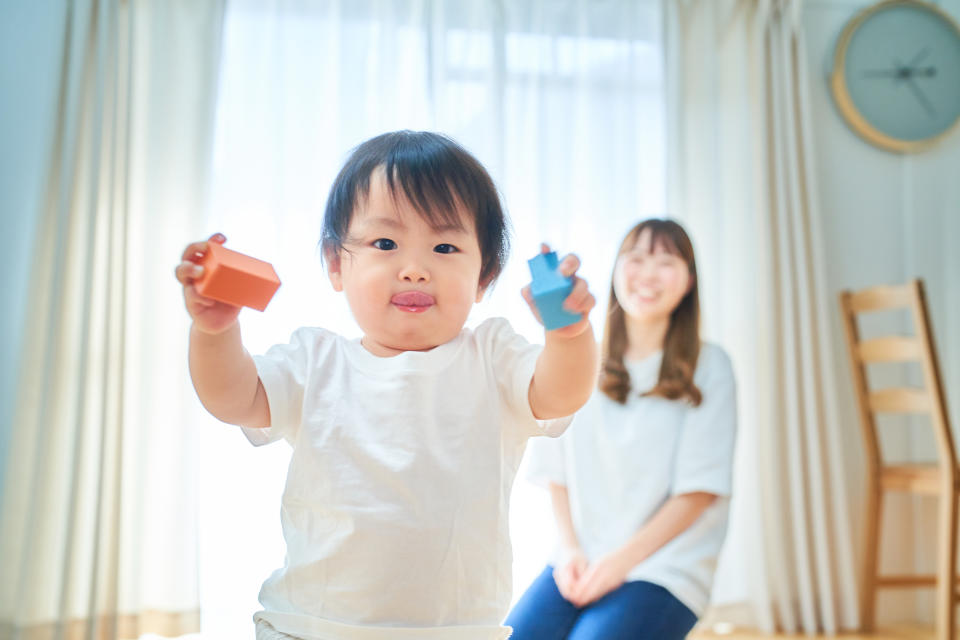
{"type": "Point", "coordinates": [620, 463]}
{"type": "Point", "coordinates": [397, 496]}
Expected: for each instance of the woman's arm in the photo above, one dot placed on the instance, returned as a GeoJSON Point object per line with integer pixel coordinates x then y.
{"type": "Point", "coordinates": [673, 518]}
{"type": "Point", "coordinates": [609, 572]}
{"type": "Point", "coordinates": [572, 563]}
{"type": "Point", "coordinates": [561, 513]}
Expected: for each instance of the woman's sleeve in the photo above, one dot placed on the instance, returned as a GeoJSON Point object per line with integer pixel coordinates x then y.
{"type": "Point", "coordinates": [283, 371]}
{"type": "Point", "coordinates": [705, 452]}
{"type": "Point", "coordinates": [546, 461]}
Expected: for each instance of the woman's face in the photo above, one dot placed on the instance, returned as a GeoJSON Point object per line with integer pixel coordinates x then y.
{"type": "Point", "coordinates": [650, 282]}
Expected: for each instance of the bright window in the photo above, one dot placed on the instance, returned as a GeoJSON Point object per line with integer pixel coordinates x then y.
{"type": "Point", "coordinates": [563, 104]}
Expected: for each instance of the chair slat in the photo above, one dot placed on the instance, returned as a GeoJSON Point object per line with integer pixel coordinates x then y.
{"type": "Point", "coordinates": [900, 400]}
{"type": "Point", "coordinates": [906, 581]}
{"type": "Point", "coordinates": [890, 349]}
{"type": "Point", "coordinates": [912, 478]}
{"type": "Point", "coordinates": [880, 298]}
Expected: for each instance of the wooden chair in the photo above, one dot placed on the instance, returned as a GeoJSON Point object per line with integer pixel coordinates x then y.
{"type": "Point", "coordinates": [940, 479]}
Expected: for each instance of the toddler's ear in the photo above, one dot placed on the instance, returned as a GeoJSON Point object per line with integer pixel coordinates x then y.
{"type": "Point", "coordinates": [332, 258]}
{"type": "Point", "coordinates": [482, 289]}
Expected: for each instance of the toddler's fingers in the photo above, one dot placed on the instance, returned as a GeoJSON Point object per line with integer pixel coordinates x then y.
{"type": "Point", "coordinates": [569, 265]}
{"type": "Point", "coordinates": [187, 272]}
{"type": "Point", "coordinates": [194, 298]}
{"type": "Point", "coordinates": [580, 298]}
{"type": "Point", "coordinates": [528, 296]}
{"type": "Point", "coordinates": [196, 250]}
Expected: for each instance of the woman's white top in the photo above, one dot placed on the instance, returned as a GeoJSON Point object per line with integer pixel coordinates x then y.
{"type": "Point", "coordinates": [620, 464]}
{"type": "Point", "coordinates": [395, 507]}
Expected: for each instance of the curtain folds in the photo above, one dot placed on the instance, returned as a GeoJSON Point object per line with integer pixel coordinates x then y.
{"type": "Point", "coordinates": [94, 501]}
{"type": "Point", "coordinates": [741, 173]}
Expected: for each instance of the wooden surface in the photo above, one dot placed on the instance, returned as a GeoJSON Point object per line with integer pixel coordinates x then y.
{"type": "Point", "coordinates": [889, 633]}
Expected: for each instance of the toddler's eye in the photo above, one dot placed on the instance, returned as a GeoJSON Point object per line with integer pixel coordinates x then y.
{"type": "Point", "coordinates": [445, 248]}
{"type": "Point", "coordinates": [385, 244]}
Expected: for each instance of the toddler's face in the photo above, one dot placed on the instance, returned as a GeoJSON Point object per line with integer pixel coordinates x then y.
{"type": "Point", "coordinates": [649, 281]}
{"type": "Point", "coordinates": [409, 286]}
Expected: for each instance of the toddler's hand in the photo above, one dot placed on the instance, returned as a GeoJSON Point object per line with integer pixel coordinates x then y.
{"type": "Point", "coordinates": [209, 316]}
{"type": "Point", "coordinates": [580, 300]}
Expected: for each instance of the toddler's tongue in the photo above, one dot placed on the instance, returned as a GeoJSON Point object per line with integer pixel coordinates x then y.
{"type": "Point", "coordinates": [413, 299]}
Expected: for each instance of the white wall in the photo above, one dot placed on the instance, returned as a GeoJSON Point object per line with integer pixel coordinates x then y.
{"type": "Point", "coordinates": [888, 218]}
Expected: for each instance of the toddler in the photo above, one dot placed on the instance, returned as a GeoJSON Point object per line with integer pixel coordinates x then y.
{"type": "Point", "coordinates": [407, 440]}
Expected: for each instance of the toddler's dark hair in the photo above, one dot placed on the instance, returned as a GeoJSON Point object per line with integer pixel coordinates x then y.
{"type": "Point", "coordinates": [434, 174]}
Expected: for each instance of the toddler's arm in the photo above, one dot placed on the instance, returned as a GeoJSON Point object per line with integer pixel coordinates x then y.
{"type": "Point", "coordinates": [222, 371]}
{"type": "Point", "coordinates": [226, 379]}
{"type": "Point", "coordinates": [567, 369]}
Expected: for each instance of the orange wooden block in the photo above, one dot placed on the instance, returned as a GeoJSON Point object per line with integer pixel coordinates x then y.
{"type": "Point", "coordinates": [236, 278]}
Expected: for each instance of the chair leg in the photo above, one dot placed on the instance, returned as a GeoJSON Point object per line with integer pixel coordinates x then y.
{"type": "Point", "coordinates": [946, 592]}
{"type": "Point", "coordinates": [868, 595]}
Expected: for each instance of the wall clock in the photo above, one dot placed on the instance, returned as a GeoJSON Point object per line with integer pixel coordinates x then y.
{"type": "Point", "coordinates": [896, 75]}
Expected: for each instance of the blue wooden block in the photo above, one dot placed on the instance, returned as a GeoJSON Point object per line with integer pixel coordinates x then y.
{"type": "Point", "coordinates": [549, 290]}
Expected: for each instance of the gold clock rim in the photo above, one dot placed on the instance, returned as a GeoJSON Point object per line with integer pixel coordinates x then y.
{"type": "Point", "coordinates": [845, 103]}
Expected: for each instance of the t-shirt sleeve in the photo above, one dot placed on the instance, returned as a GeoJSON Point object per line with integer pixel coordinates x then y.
{"type": "Point", "coordinates": [283, 370]}
{"type": "Point", "coordinates": [705, 451]}
{"type": "Point", "coordinates": [546, 461]}
{"type": "Point", "coordinates": [514, 360]}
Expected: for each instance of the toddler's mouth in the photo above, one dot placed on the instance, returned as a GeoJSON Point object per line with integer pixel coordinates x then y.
{"type": "Point", "coordinates": [413, 301]}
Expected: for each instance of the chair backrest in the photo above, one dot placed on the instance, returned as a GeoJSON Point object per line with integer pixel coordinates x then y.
{"type": "Point", "coordinates": [917, 348]}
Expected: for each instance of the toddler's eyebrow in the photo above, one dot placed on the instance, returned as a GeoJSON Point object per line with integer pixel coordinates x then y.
{"type": "Point", "coordinates": [386, 222]}
{"type": "Point", "coordinates": [442, 228]}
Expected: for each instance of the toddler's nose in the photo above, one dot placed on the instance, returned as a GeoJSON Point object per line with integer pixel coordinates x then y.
{"type": "Point", "coordinates": [414, 273]}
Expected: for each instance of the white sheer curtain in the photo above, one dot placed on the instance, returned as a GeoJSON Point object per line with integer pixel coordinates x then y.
{"type": "Point", "coordinates": [97, 508]}
{"type": "Point", "coordinates": [741, 174]}
{"type": "Point", "coordinates": [563, 102]}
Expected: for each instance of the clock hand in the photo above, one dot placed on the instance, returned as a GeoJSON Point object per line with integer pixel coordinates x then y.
{"type": "Point", "coordinates": [921, 97]}
{"type": "Point", "coordinates": [902, 71]}
{"type": "Point", "coordinates": [920, 56]}
{"type": "Point", "coordinates": [881, 73]}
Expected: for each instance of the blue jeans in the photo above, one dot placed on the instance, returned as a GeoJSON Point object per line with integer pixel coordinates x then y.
{"type": "Point", "coordinates": [635, 610]}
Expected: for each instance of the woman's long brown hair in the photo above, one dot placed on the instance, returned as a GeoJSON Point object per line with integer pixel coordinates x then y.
{"type": "Point", "coordinates": [681, 346]}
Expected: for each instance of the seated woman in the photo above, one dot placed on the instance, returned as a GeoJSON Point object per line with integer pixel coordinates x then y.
{"type": "Point", "coordinates": [640, 483]}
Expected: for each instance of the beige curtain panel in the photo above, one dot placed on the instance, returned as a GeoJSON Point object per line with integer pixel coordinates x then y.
{"type": "Point", "coordinates": [97, 505]}
{"type": "Point", "coordinates": [741, 172]}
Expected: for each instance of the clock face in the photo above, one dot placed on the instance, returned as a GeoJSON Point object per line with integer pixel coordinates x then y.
{"type": "Point", "coordinates": [902, 71]}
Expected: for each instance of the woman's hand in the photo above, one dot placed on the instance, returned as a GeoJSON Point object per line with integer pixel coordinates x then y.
{"type": "Point", "coordinates": [579, 300]}
{"type": "Point", "coordinates": [599, 579]}
{"type": "Point", "coordinates": [568, 572]}
{"type": "Point", "coordinates": [209, 316]}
